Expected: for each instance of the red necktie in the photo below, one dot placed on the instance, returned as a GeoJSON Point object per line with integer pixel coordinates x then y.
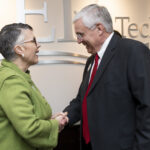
{"type": "Point", "coordinates": [85, 127]}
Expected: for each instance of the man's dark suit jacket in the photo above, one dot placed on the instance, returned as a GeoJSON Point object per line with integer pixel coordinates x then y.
{"type": "Point", "coordinates": [118, 103]}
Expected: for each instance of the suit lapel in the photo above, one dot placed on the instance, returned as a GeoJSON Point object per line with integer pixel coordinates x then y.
{"type": "Point", "coordinates": [108, 55]}
{"type": "Point", "coordinates": [86, 80]}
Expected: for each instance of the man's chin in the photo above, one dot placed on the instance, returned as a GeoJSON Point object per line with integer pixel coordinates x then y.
{"type": "Point", "coordinates": [89, 50]}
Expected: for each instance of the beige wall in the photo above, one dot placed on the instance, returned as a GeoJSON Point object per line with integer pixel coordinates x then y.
{"type": "Point", "coordinates": [59, 82]}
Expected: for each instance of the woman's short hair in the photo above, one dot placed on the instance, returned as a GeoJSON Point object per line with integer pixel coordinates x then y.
{"type": "Point", "coordinates": [10, 35]}
{"type": "Point", "coordinates": [93, 14]}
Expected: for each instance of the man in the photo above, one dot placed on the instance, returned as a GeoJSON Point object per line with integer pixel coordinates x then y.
{"type": "Point", "coordinates": [114, 104]}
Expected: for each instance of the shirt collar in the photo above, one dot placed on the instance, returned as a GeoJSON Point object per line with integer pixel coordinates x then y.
{"type": "Point", "coordinates": [104, 46]}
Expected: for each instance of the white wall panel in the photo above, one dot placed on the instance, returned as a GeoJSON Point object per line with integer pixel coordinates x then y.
{"type": "Point", "coordinates": [59, 83]}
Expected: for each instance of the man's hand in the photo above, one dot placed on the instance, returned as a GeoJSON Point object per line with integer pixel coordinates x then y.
{"type": "Point", "coordinates": [62, 119]}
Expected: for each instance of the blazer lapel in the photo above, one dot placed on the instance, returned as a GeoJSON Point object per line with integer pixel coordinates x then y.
{"type": "Point", "coordinates": [108, 55]}
{"type": "Point", "coordinates": [86, 80]}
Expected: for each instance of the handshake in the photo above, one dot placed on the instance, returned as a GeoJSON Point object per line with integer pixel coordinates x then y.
{"type": "Point", "coordinates": [62, 119]}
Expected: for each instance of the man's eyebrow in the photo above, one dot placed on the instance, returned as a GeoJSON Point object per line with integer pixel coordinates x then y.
{"type": "Point", "coordinates": [79, 33]}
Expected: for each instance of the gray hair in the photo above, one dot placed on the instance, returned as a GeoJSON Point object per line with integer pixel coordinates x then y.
{"type": "Point", "coordinates": [93, 14]}
{"type": "Point", "coordinates": [10, 35]}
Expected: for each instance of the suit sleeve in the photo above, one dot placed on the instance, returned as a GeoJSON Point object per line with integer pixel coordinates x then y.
{"type": "Point", "coordinates": [74, 108]}
{"type": "Point", "coordinates": [139, 79]}
{"type": "Point", "coordinates": [19, 109]}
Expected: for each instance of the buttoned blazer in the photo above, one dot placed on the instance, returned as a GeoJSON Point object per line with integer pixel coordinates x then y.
{"type": "Point", "coordinates": [25, 122]}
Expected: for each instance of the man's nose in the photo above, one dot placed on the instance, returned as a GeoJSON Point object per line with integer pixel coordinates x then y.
{"type": "Point", "coordinates": [79, 40]}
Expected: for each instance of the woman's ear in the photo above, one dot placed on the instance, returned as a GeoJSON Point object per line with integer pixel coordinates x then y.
{"type": "Point", "coordinates": [19, 50]}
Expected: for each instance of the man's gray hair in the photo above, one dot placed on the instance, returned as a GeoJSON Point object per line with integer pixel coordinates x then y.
{"type": "Point", "coordinates": [93, 14]}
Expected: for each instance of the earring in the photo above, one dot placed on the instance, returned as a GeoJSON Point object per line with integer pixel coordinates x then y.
{"type": "Point", "coordinates": [22, 55]}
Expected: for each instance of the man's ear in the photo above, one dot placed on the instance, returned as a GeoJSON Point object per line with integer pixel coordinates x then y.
{"type": "Point", "coordinates": [19, 50]}
{"type": "Point", "coordinates": [100, 28]}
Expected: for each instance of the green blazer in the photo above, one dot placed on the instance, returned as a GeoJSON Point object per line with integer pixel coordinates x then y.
{"type": "Point", "coordinates": [25, 122]}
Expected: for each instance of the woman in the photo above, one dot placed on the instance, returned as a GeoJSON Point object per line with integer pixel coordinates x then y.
{"type": "Point", "coordinates": [25, 116]}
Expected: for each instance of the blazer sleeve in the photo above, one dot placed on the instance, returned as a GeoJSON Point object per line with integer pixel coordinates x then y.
{"type": "Point", "coordinates": [74, 110]}
{"type": "Point", "coordinates": [19, 109]}
{"type": "Point", "coordinates": [74, 107]}
{"type": "Point", "coordinates": [139, 79]}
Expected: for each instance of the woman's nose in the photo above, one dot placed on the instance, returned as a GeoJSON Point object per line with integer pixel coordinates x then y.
{"type": "Point", "coordinates": [38, 45]}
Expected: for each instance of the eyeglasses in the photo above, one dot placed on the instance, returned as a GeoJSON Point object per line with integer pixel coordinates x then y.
{"type": "Point", "coordinates": [33, 40]}
{"type": "Point", "coordinates": [81, 35]}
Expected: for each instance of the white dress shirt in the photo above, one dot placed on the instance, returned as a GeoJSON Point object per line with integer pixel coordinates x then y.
{"type": "Point", "coordinates": [102, 51]}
